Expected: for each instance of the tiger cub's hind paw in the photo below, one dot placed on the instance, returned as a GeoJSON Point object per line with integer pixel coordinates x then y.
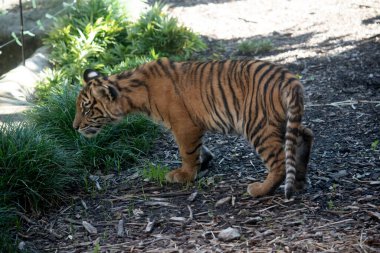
{"type": "Point", "coordinates": [180, 176]}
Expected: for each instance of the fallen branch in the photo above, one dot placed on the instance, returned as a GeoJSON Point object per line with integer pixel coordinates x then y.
{"type": "Point", "coordinates": [345, 103]}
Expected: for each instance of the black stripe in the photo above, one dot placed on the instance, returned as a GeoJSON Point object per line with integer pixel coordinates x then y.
{"type": "Point", "coordinates": [258, 127]}
{"type": "Point", "coordinates": [168, 74]}
{"type": "Point", "coordinates": [212, 102]}
{"type": "Point", "coordinates": [291, 138]}
{"type": "Point", "coordinates": [195, 149]}
{"type": "Point", "coordinates": [223, 95]}
{"type": "Point", "coordinates": [124, 75]}
{"type": "Point", "coordinates": [249, 123]}
{"type": "Point", "coordinates": [134, 83]}
{"type": "Point", "coordinates": [292, 130]}
{"type": "Point", "coordinates": [288, 82]}
{"type": "Point", "coordinates": [159, 113]}
{"type": "Point", "coordinates": [155, 71]}
{"type": "Point", "coordinates": [232, 90]}
{"type": "Point", "coordinates": [295, 118]}
{"type": "Point", "coordinates": [203, 91]}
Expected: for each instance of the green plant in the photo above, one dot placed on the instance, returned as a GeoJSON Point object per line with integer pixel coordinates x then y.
{"type": "Point", "coordinates": [155, 173]}
{"type": "Point", "coordinates": [374, 145]}
{"type": "Point", "coordinates": [120, 143]}
{"type": "Point", "coordinates": [255, 46]}
{"type": "Point", "coordinates": [156, 31]}
{"type": "Point", "coordinates": [330, 204]}
{"type": "Point", "coordinates": [34, 170]}
{"type": "Point", "coordinates": [98, 34]}
{"type": "Point", "coordinates": [96, 247]}
{"type": "Point", "coordinates": [8, 225]}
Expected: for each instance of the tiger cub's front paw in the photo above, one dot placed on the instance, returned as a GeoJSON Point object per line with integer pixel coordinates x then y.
{"type": "Point", "coordinates": [256, 190]}
{"type": "Point", "coordinates": [180, 176]}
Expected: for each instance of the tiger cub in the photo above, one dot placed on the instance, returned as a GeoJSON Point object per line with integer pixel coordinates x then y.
{"type": "Point", "coordinates": [256, 99]}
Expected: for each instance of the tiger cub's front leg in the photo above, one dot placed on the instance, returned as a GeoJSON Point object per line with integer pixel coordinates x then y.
{"type": "Point", "coordinates": [189, 140]}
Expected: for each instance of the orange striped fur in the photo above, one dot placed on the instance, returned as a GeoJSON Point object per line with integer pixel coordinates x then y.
{"type": "Point", "coordinates": [256, 99]}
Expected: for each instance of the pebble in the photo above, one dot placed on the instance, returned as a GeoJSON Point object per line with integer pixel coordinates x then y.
{"type": "Point", "coordinates": [90, 228]}
{"type": "Point", "coordinates": [222, 201]}
{"type": "Point", "coordinates": [268, 232]}
{"type": "Point", "coordinates": [21, 245]}
{"type": "Point", "coordinates": [120, 228]}
{"type": "Point", "coordinates": [229, 234]}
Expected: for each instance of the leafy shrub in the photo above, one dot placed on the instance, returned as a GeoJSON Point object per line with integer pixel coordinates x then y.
{"type": "Point", "coordinates": [97, 34]}
{"type": "Point", "coordinates": [157, 33]}
{"type": "Point", "coordinates": [91, 35]}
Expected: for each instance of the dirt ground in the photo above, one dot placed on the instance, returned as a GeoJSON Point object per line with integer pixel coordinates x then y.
{"type": "Point", "coordinates": [335, 48]}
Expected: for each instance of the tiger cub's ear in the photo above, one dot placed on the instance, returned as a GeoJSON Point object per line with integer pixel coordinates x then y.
{"type": "Point", "coordinates": [90, 74]}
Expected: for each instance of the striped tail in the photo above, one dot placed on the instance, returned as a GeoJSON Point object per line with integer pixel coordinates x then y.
{"type": "Point", "coordinates": [294, 116]}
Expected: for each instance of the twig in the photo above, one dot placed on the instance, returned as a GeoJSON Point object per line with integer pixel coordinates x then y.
{"type": "Point", "coordinates": [266, 209]}
{"type": "Point", "coordinates": [25, 218]}
{"type": "Point", "coordinates": [346, 102]}
{"type": "Point", "coordinates": [334, 223]}
{"type": "Point", "coordinates": [160, 203]}
{"type": "Point", "coordinates": [190, 213]}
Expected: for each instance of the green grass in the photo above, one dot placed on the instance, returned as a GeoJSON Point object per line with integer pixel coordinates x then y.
{"type": "Point", "coordinates": [121, 143]}
{"type": "Point", "coordinates": [374, 145]}
{"type": "Point", "coordinates": [253, 47]}
{"type": "Point", "coordinates": [8, 221]}
{"type": "Point", "coordinates": [35, 172]}
{"type": "Point", "coordinates": [155, 173]}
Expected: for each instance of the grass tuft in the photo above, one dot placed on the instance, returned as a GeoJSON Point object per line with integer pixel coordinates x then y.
{"type": "Point", "coordinates": [155, 173]}
{"type": "Point", "coordinates": [34, 171]}
{"type": "Point", "coordinates": [253, 47]}
{"type": "Point", "coordinates": [8, 220]}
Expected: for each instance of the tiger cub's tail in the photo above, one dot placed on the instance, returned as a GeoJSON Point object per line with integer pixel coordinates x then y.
{"type": "Point", "coordinates": [295, 108]}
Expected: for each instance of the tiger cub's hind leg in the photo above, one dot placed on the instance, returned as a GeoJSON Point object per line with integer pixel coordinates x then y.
{"type": "Point", "coordinates": [189, 140]}
{"type": "Point", "coordinates": [272, 153]}
{"type": "Point", "coordinates": [304, 143]}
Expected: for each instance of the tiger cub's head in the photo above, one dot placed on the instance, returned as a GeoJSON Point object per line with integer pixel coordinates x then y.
{"type": "Point", "coordinates": [97, 104]}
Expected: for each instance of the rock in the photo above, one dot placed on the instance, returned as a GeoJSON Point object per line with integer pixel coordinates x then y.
{"type": "Point", "coordinates": [149, 227]}
{"type": "Point", "coordinates": [120, 228]}
{"type": "Point", "coordinates": [222, 201]}
{"type": "Point", "coordinates": [192, 196]}
{"type": "Point", "coordinates": [21, 245]}
{"type": "Point", "coordinates": [178, 219]}
{"type": "Point", "coordinates": [339, 174]}
{"type": "Point", "coordinates": [229, 234]}
{"type": "Point", "coordinates": [90, 228]}
{"type": "Point", "coordinates": [268, 232]}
